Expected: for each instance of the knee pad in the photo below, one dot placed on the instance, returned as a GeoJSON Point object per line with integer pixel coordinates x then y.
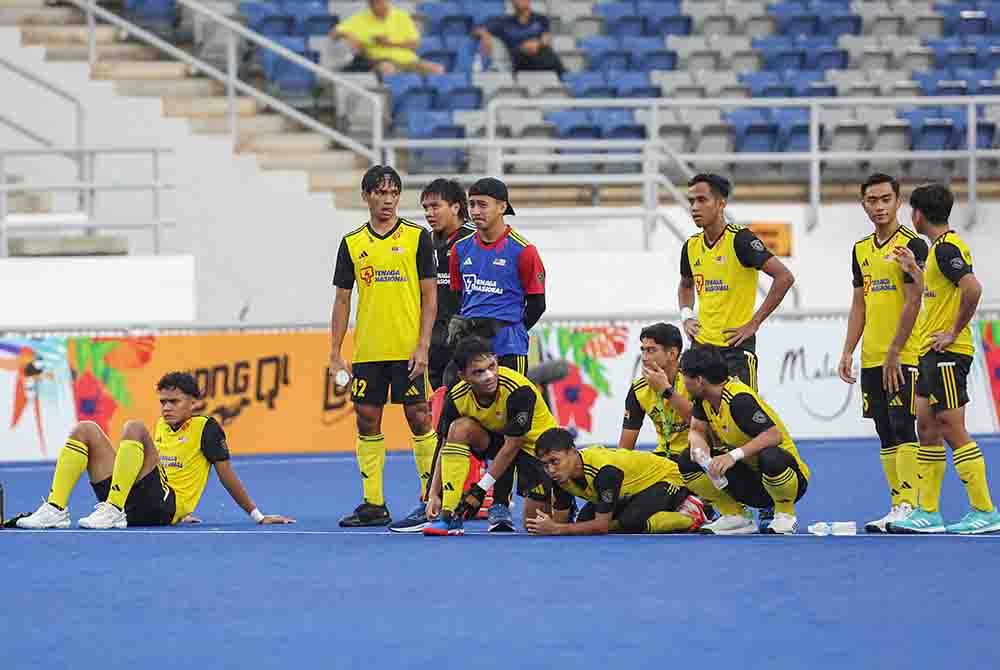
{"type": "Point", "coordinates": [774, 460]}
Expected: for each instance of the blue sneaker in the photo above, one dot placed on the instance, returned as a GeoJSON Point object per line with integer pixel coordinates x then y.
{"type": "Point", "coordinates": [919, 521]}
{"type": "Point", "coordinates": [976, 522]}
{"type": "Point", "coordinates": [445, 525]}
{"type": "Point", "coordinates": [765, 515]}
{"type": "Point", "coordinates": [414, 522]}
{"type": "Point", "coordinates": [499, 519]}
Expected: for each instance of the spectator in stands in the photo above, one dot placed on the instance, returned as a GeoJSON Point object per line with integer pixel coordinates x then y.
{"type": "Point", "coordinates": [527, 37]}
{"type": "Point", "coordinates": [384, 39]}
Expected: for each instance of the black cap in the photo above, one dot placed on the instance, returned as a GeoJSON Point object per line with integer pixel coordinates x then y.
{"type": "Point", "coordinates": [494, 188]}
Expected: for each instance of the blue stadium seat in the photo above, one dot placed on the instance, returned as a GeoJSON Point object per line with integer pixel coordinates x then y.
{"type": "Point", "coordinates": [618, 124]}
{"type": "Point", "coordinates": [621, 19]}
{"type": "Point", "coordinates": [793, 129]}
{"type": "Point", "coordinates": [664, 18]}
{"type": "Point", "coordinates": [445, 18]}
{"type": "Point", "coordinates": [826, 58]}
{"type": "Point", "coordinates": [604, 53]}
{"type": "Point", "coordinates": [455, 91]}
{"type": "Point", "coordinates": [410, 93]}
{"type": "Point", "coordinates": [754, 130]}
{"type": "Point", "coordinates": [837, 23]}
{"type": "Point", "coordinates": [934, 134]}
{"type": "Point", "coordinates": [648, 54]}
{"type": "Point", "coordinates": [157, 10]}
{"type": "Point", "coordinates": [794, 20]}
{"type": "Point", "coordinates": [758, 81]}
{"type": "Point", "coordinates": [971, 23]}
{"type": "Point", "coordinates": [483, 12]}
{"type": "Point", "coordinates": [434, 49]}
{"type": "Point", "coordinates": [465, 49]}
{"type": "Point", "coordinates": [573, 123]}
{"type": "Point", "coordinates": [286, 75]}
{"type": "Point", "coordinates": [435, 125]}
{"type": "Point", "coordinates": [267, 19]}
{"type": "Point", "coordinates": [634, 85]}
{"type": "Point", "coordinates": [928, 80]}
{"type": "Point", "coordinates": [311, 18]}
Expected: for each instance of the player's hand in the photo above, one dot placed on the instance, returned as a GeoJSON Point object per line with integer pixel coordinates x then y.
{"type": "Point", "coordinates": [457, 327]}
{"type": "Point", "coordinates": [655, 376]}
{"type": "Point", "coordinates": [338, 366]}
{"type": "Point", "coordinates": [691, 328]}
{"type": "Point", "coordinates": [433, 506]}
{"type": "Point", "coordinates": [472, 500]}
{"type": "Point", "coordinates": [275, 520]}
{"type": "Point", "coordinates": [190, 518]}
{"type": "Point", "coordinates": [905, 259]}
{"type": "Point", "coordinates": [381, 41]}
{"type": "Point", "coordinates": [542, 524]}
{"type": "Point", "coordinates": [531, 47]}
{"type": "Point", "coordinates": [737, 336]}
{"type": "Point", "coordinates": [892, 373]}
{"type": "Point", "coordinates": [942, 340]}
{"type": "Point", "coordinates": [846, 368]}
{"type": "Point", "coordinates": [418, 363]}
{"type": "Point", "coordinates": [720, 465]}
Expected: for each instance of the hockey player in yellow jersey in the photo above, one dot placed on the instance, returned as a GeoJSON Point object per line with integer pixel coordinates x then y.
{"type": "Point", "coordinates": [951, 294]}
{"type": "Point", "coordinates": [626, 491]}
{"type": "Point", "coordinates": [884, 308]}
{"type": "Point", "coordinates": [148, 480]}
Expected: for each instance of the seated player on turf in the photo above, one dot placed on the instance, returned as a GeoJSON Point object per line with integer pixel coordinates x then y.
{"type": "Point", "coordinates": [751, 449]}
{"type": "Point", "coordinates": [626, 491]}
{"type": "Point", "coordinates": [495, 413]}
{"type": "Point", "coordinates": [149, 480]}
{"type": "Point", "coordinates": [659, 392]}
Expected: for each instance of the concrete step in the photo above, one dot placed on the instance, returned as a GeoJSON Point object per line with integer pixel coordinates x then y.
{"type": "Point", "coordinates": [68, 35]}
{"type": "Point", "coordinates": [40, 16]}
{"type": "Point", "coordinates": [306, 143]}
{"type": "Point", "coordinates": [339, 182]}
{"type": "Point", "coordinates": [117, 51]}
{"type": "Point", "coordinates": [206, 107]}
{"type": "Point", "coordinates": [29, 203]}
{"type": "Point", "coordinates": [139, 70]}
{"type": "Point", "coordinates": [21, 4]}
{"type": "Point", "coordinates": [65, 245]}
{"type": "Point", "coordinates": [192, 87]}
{"type": "Point", "coordinates": [247, 126]}
{"type": "Point", "coordinates": [328, 161]}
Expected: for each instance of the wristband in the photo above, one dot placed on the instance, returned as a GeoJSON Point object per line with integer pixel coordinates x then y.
{"type": "Point", "coordinates": [686, 313]}
{"type": "Point", "coordinates": [256, 515]}
{"type": "Point", "coordinates": [737, 454]}
{"type": "Point", "coordinates": [667, 393]}
{"type": "Point", "coordinates": [487, 481]}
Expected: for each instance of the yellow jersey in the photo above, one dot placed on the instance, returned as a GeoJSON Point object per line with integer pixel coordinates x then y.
{"type": "Point", "coordinates": [671, 428]}
{"type": "Point", "coordinates": [742, 416]}
{"type": "Point", "coordinates": [725, 275]}
{"type": "Point", "coordinates": [398, 26]}
{"type": "Point", "coordinates": [950, 260]}
{"type": "Point", "coordinates": [187, 455]}
{"type": "Point", "coordinates": [387, 269]}
{"type": "Point", "coordinates": [517, 410]}
{"type": "Point", "coordinates": [614, 475]}
{"type": "Point", "coordinates": [882, 280]}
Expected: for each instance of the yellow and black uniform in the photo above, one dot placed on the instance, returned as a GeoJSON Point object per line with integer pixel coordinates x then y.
{"type": "Point", "coordinates": [387, 269]}
{"type": "Point", "coordinates": [671, 427]}
{"type": "Point", "coordinates": [172, 491]}
{"type": "Point", "coordinates": [632, 486]}
{"type": "Point", "coordinates": [725, 273]}
{"type": "Point", "coordinates": [775, 475]}
{"type": "Point", "coordinates": [881, 279]}
{"type": "Point", "coordinates": [517, 410]}
{"type": "Point", "coordinates": [943, 375]}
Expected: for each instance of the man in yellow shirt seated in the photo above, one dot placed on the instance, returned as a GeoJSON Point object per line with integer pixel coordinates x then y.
{"type": "Point", "coordinates": [384, 39]}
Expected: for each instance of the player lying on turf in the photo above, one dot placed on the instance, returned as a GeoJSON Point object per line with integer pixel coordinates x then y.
{"type": "Point", "coordinates": [751, 449]}
{"type": "Point", "coordinates": [626, 491]}
{"type": "Point", "coordinates": [149, 480]}
{"type": "Point", "coordinates": [495, 413]}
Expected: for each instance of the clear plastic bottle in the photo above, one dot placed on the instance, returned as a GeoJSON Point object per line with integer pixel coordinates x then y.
{"type": "Point", "coordinates": [702, 458]}
{"type": "Point", "coordinates": [477, 63]}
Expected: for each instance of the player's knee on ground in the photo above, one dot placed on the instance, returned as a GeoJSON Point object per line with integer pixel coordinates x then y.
{"type": "Point", "coordinates": [903, 429]}
{"type": "Point", "coordinates": [135, 430]}
{"type": "Point", "coordinates": [774, 460]}
{"type": "Point", "coordinates": [419, 417]}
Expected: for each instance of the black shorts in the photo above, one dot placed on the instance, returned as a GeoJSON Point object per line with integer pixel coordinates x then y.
{"type": "Point", "coordinates": [633, 512]}
{"type": "Point", "coordinates": [373, 380]}
{"type": "Point", "coordinates": [151, 502]}
{"type": "Point", "coordinates": [742, 364]}
{"type": "Point", "coordinates": [515, 362]}
{"type": "Point", "coordinates": [876, 403]}
{"type": "Point", "coordinates": [532, 482]}
{"type": "Point", "coordinates": [943, 379]}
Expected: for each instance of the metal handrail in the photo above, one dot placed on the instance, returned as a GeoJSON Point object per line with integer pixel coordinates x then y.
{"type": "Point", "coordinates": [229, 77]}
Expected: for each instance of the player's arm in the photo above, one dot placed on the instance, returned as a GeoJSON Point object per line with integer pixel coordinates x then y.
{"type": "Point", "coordinates": [215, 449]}
{"type": "Point", "coordinates": [428, 303]}
{"type": "Point", "coordinates": [685, 297]}
{"type": "Point", "coordinates": [608, 485]}
{"type": "Point", "coordinates": [913, 290]}
{"type": "Point", "coordinates": [751, 418]}
{"type": "Point", "coordinates": [660, 382]}
{"type": "Point", "coordinates": [855, 322]}
{"type": "Point", "coordinates": [752, 253]}
{"type": "Point", "coordinates": [343, 281]}
{"type": "Point", "coordinates": [959, 272]}
{"type": "Point", "coordinates": [632, 424]}
{"type": "Point", "coordinates": [532, 275]}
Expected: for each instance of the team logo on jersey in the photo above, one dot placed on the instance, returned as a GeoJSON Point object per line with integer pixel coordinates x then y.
{"type": "Point", "coordinates": [866, 263]}
{"type": "Point", "coordinates": [699, 283]}
{"type": "Point", "coordinates": [607, 496]}
{"type": "Point", "coordinates": [364, 254]}
{"type": "Point", "coordinates": [522, 419]}
{"type": "Point", "coordinates": [758, 245]}
{"type": "Point", "coordinates": [867, 283]}
{"type": "Point", "coordinates": [759, 417]}
{"type": "Point", "coordinates": [720, 260]}
{"type": "Point", "coordinates": [473, 284]}
{"type": "Point", "coordinates": [399, 250]}
{"type": "Point", "coordinates": [502, 262]}
{"type": "Point", "coordinates": [697, 263]}
{"type": "Point", "coordinates": [367, 274]}
{"type": "Point", "coordinates": [628, 415]}
{"type": "Point", "coordinates": [468, 261]}
{"type": "Point", "coordinates": [957, 263]}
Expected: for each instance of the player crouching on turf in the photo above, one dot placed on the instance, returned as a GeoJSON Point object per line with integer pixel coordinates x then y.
{"type": "Point", "coordinates": [626, 491]}
{"type": "Point", "coordinates": [752, 451]}
{"type": "Point", "coordinates": [131, 483]}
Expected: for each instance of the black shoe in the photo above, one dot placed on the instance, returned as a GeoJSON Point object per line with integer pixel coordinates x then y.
{"type": "Point", "coordinates": [367, 514]}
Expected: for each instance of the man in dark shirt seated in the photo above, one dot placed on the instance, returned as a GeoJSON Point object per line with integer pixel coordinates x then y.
{"type": "Point", "coordinates": [526, 36]}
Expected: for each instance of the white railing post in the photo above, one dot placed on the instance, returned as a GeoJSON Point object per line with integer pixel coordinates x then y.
{"type": "Point", "coordinates": [972, 139]}
{"type": "Point", "coordinates": [157, 215]}
{"type": "Point", "coordinates": [3, 209]}
{"type": "Point", "coordinates": [91, 157]}
{"type": "Point", "coordinates": [91, 34]}
{"type": "Point", "coordinates": [815, 185]}
{"type": "Point", "coordinates": [231, 72]}
{"type": "Point", "coordinates": [494, 161]}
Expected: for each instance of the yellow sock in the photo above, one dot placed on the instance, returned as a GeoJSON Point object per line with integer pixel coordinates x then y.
{"type": "Point", "coordinates": [931, 464]}
{"type": "Point", "coordinates": [371, 462]}
{"type": "Point", "coordinates": [783, 488]}
{"type": "Point", "coordinates": [907, 470]}
{"type": "Point", "coordinates": [128, 463]}
{"type": "Point", "coordinates": [71, 463]}
{"type": "Point", "coordinates": [888, 457]}
{"type": "Point", "coordinates": [668, 522]}
{"type": "Point", "coordinates": [454, 471]}
{"type": "Point", "coordinates": [971, 469]}
{"type": "Point", "coordinates": [423, 454]}
{"type": "Point", "coordinates": [700, 485]}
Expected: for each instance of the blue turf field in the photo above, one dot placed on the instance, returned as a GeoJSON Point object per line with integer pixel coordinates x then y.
{"type": "Point", "coordinates": [229, 594]}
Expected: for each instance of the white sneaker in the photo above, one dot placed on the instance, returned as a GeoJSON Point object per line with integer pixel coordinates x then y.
{"type": "Point", "coordinates": [897, 513]}
{"type": "Point", "coordinates": [46, 516]}
{"type": "Point", "coordinates": [783, 524]}
{"type": "Point", "coordinates": [104, 516]}
{"type": "Point", "coordinates": [730, 524]}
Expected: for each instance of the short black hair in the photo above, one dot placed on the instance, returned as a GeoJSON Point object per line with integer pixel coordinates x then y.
{"type": "Point", "coordinates": [719, 185]}
{"type": "Point", "coordinates": [377, 174]}
{"type": "Point", "coordinates": [469, 349]}
{"type": "Point", "coordinates": [182, 381]}
{"type": "Point", "coordinates": [879, 178]}
{"type": "Point", "coordinates": [554, 439]}
{"type": "Point", "coordinates": [451, 192]}
{"type": "Point", "coordinates": [934, 201]}
{"type": "Point", "coordinates": [706, 361]}
{"type": "Point", "coordinates": [664, 334]}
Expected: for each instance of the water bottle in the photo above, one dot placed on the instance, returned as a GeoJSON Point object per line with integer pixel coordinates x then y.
{"type": "Point", "coordinates": [703, 459]}
{"type": "Point", "coordinates": [477, 63]}
{"type": "Point", "coordinates": [834, 528]}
